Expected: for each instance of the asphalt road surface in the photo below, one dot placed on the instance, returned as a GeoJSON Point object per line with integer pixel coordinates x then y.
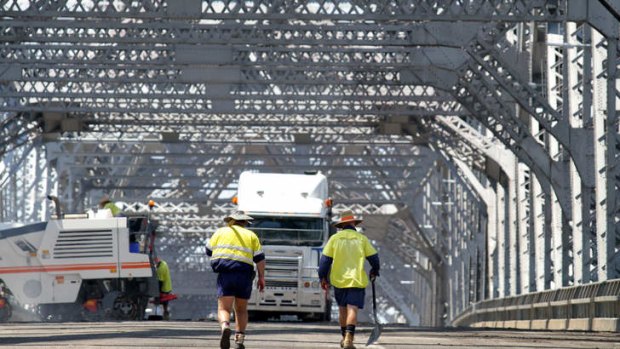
{"type": "Point", "coordinates": [274, 335]}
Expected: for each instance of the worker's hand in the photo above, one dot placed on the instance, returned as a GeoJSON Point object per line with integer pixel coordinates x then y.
{"type": "Point", "coordinates": [324, 285]}
{"type": "Point", "coordinates": [260, 284]}
{"type": "Point", "coordinates": [373, 274]}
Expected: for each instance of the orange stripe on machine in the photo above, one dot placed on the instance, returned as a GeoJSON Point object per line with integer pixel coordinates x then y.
{"type": "Point", "coordinates": [136, 265]}
{"type": "Point", "coordinates": [63, 267]}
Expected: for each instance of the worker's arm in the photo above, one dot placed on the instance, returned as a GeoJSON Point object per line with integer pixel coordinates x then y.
{"type": "Point", "coordinates": [260, 269]}
{"type": "Point", "coordinates": [259, 260]}
{"type": "Point", "coordinates": [325, 265]}
{"type": "Point", "coordinates": [210, 243]}
{"type": "Point", "coordinates": [375, 264]}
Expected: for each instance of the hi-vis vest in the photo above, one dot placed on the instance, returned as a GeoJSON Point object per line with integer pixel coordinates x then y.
{"type": "Point", "coordinates": [234, 248]}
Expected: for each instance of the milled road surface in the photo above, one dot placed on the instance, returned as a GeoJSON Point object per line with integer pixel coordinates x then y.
{"type": "Point", "coordinates": [273, 335]}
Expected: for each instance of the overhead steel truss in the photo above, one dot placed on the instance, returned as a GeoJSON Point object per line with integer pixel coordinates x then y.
{"type": "Point", "coordinates": [490, 126]}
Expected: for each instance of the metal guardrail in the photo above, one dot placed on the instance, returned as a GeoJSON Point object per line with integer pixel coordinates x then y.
{"type": "Point", "coordinates": [591, 307]}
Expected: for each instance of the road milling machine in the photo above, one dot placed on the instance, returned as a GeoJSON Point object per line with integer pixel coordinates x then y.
{"type": "Point", "coordinates": [79, 267]}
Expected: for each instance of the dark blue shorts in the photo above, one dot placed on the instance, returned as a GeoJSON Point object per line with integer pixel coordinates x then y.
{"type": "Point", "coordinates": [235, 283]}
{"type": "Point", "coordinates": [350, 296]}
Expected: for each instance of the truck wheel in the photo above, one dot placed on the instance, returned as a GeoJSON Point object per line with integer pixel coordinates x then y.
{"type": "Point", "coordinates": [258, 315]}
{"type": "Point", "coordinates": [310, 317]}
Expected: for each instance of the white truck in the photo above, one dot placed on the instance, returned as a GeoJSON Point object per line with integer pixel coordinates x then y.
{"type": "Point", "coordinates": [78, 267]}
{"type": "Point", "coordinates": [292, 214]}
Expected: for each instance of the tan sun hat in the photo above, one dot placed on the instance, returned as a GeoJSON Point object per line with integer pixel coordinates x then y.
{"type": "Point", "coordinates": [237, 216]}
{"type": "Point", "coordinates": [347, 217]}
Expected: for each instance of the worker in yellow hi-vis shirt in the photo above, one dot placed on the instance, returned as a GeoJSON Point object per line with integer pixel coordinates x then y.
{"type": "Point", "coordinates": [106, 202]}
{"type": "Point", "coordinates": [165, 283]}
{"type": "Point", "coordinates": [342, 266]}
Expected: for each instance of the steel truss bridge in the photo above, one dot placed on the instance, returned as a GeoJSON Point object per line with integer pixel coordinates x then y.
{"type": "Point", "coordinates": [479, 138]}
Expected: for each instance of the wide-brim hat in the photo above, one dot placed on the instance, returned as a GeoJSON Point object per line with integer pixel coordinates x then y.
{"type": "Point", "coordinates": [237, 216]}
{"type": "Point", "coordinates": [347, 217]}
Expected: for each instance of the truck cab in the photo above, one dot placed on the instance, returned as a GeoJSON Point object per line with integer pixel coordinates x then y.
{"type": "Point", "coordinates": [292, 214]}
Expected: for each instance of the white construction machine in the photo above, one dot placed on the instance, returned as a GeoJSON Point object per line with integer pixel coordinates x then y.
{"type": "Point", "coordinates": [292, 214]}
{"type": "Point", "coordinates": [78, 267]}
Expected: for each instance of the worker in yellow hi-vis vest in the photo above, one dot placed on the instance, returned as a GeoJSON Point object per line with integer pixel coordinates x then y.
{"type": "Point", "coordinates": [234, 250]}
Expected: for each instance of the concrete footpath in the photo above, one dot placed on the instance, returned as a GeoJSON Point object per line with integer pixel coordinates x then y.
{"type": "Point", "coordinates": [274, 335]}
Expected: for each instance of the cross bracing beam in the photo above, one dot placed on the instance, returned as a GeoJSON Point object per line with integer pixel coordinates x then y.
{"type": "Point", "coordinates": [501, 60]}
{"type": "Point", "coordinates": [189, 219]}
{"type": "Point", "coordinates": [388, 171]}
{"type": "Point", "coordinates": [255, 33]}
{"type": "Point", "coordinates": [445, 136]}
{"type": "Point", "coordinates": [405, 150]}
{"type": "Point", "coordinates": [324, 11]}
{"type": "Point", "coordinates": [505, 64]}
{"type": "Point", "coordinates": [481, 97]}
{"type": "Point", "coordinates": [358, 185]}
{"type": "Point", "coordinates": [24, 181]}
{"type": "Point", "coordinates": [87, 104]}
{"type": "Point", "coordinates": [168, 56]}
{"type": "Point", "coordinates": [320, 90]}
{"type": "Point", "coordinates": [222, 119]}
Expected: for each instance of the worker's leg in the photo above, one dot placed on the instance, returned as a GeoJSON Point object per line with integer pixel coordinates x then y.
{"type": "Point", "coordinates": [342, 321]}
{"type": "Point", "coordinates": [351, 315]}
{"type": "Point", "coordinates": [355, 301]}
{"type": "Point", "coordinates": [342, 316]}
{"type": "Point", "coordinates": [241, 314]}
{"type": "Point", "coordinates": [166, 313]}
{"type": "Point", "coordinates": [341, 299]}
{"type": "Point", "coordinates": [224, 307]}
{"type": "Point", "coordinates": [241, 321]}
{"type": "Point", "coordinates": [351, 322]}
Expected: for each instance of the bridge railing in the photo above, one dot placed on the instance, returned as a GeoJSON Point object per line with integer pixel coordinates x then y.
{"type": "Point", "coordinates": [591, 307]}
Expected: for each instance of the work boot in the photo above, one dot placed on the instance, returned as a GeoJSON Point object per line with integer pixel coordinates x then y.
{"type": "Point", "coordinates": [239, 338]}
{"type": "Point", "coordinates": [347, 342]}
{"type": "Point", "coordinates": [225, 339]}
{"type": "Point", "coordinates": [342, 342]}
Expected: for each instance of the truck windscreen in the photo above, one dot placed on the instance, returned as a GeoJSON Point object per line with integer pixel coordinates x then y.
{"type": "Point", "coordinates": [294, 231]}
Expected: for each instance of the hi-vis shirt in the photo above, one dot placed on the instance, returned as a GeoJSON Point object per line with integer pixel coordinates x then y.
{"type": "Point", "coordinates": [349, 250]}
{"type": "Point", "coordinates": [163, 275]}
{"type": "Point", "coordinates": [234, 249]}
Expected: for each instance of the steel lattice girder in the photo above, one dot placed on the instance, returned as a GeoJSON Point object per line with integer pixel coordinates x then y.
{"type": "Point", "coordinates": [262, 61]}
{"type": "Point", "coordinates": [42, 65]}
{"type": "Point", "coordinates": [351, 168]}
{"type": "Point", "coordinates": [519, 10]}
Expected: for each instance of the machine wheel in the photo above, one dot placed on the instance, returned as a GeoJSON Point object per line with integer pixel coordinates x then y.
{"type": "Point", "coordinates": [6, 311]}
{"type": "Point", "coordinates": [125, 308]}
